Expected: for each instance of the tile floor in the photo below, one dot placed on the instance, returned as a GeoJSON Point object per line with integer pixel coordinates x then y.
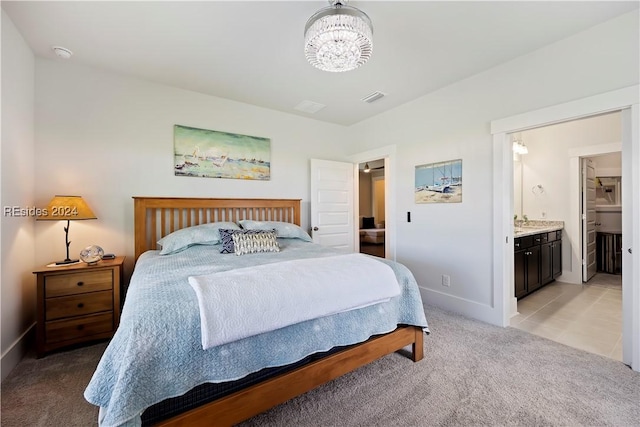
{"type": "Point", "coordinates": [588, 317]}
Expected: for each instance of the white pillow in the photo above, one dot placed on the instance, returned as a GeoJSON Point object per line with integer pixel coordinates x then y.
{"type": "Point", "coordinates": [204, 234]}
{"type": "Point", "coordinates": [284, 230]}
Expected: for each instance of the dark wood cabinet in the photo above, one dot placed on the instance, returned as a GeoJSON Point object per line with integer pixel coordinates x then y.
{"type": "Point", "coordinates": [537, 261]}
{"type": "Point", "coordinates": [520, 273]}
{"type": "Point", "coordinates": [556, 259]}
{"type": "Point", "coordinates": [533, 268]}
{"type": "Point", "coordinates": [551, 257]}
{"type": "Point", "coordinates": [526, 265]}
{"type": "Point", "coordinates": [546, 262]}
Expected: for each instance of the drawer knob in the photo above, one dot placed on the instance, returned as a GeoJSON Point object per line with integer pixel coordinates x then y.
{"type": "Point", "coordinates": [80, 283]}
{"type": "Point", "coordinates": [80, 327]}
{"type": "Point", "coordinates": [80, 305]}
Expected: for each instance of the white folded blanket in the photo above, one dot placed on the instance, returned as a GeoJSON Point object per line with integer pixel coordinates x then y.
{"type": "Point", "coordinates": [240, 303]}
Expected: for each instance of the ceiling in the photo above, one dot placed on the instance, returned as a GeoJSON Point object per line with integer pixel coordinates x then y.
{"type": "Point", "coordinates": [252, 52]}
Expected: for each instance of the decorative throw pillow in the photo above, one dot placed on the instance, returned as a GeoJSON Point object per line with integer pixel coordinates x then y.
{"type": "Point", "coordinates": [284, 230]}
{"type": "Point", "coordinates": [368, 222]}
{"type": "Point", "coordinates": [203, 234]}
{"type": "Point", "coordinates": [253, 241]}
{"type": "Point", "coordinates": [226, 238]}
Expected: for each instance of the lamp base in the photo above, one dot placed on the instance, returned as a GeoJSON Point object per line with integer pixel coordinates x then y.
{"type": "Point", "coordinates": [67, 261]}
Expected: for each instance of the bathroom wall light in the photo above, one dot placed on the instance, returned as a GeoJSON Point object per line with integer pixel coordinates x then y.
{"type": "Point", "coordinates": [519, 147]}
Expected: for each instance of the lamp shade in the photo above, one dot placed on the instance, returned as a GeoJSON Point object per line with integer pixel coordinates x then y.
{"type": "Point", "coordinates": [66, 208]}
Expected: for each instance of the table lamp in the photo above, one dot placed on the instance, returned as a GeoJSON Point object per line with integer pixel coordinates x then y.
{"type": "Point", "coordinates": [66, 208]}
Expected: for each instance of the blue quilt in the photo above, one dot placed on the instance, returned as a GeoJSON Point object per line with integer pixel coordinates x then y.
{"type": "Point", "coordinates": [156, 353]}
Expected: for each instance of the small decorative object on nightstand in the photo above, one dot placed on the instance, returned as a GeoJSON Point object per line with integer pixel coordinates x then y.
{"type": "Point", "coordinates": [77, 303]}
{"type": "Point", "coordinates": [91, 254]}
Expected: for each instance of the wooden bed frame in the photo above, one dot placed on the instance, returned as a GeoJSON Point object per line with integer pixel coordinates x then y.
{"type": "Point", "coordinates": [156, 217]}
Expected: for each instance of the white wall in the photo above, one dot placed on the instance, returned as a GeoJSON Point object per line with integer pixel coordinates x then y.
{"type": "Point", "coordinates": [454, 123]}
{"type": "Point", "coordinates": [608, 164]}
{"type": "Point", "coordinates": [108, 137]}
{"type": "Point", "coordinates": [17, 182]}
{"type": "Point", "coordinates": [547, 163]}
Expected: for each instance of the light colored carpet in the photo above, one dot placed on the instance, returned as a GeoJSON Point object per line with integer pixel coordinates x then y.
{"type": "Point", "coordinates": [48, 391]}
{"type": "Point", "coordinates": [472, 374]}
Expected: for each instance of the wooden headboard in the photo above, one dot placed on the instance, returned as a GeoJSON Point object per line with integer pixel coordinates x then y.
{"type": "Point", "coordinates": [155, 217]}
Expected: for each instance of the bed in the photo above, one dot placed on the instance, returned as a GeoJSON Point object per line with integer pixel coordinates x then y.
{"type": "Point", "coordinates": [156, 355]}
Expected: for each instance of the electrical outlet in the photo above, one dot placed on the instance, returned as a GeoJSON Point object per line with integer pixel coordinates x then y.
{"type": "Point", "coordinates": [446, 280]}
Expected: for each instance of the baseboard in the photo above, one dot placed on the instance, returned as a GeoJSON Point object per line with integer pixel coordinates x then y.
{"type": "Point", "coordinates": [514, 307]}
{"type": "Point", "coordinates": [16, 352]}
{"type": "Point", "coordinates": [574, 278]}
{"type": "Point", "coordinates": [473, 309]}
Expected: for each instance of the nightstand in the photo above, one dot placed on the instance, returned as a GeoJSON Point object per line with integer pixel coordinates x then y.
{"type": "Point", "coordinates": [77, 303]}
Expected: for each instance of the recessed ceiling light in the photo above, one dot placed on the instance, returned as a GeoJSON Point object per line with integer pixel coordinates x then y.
{"type": "Point", "coordinates": [62, 52]}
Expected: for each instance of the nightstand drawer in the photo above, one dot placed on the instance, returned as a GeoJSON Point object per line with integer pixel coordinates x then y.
{"type": "Point", "coordinates": [76, 283]}
{"type": "Point", "coordinates": [78, 305]}
{"type": "Point", "coordinates": [65, 330]}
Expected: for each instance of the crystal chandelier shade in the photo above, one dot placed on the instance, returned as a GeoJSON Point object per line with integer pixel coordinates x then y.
{"type": "Point", "coordinates": [338, 38]}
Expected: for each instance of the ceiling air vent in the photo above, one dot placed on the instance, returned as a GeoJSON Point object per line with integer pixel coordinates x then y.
{"type": "Point", "coordinates": [309, 107]}
{"type": "Point", "coordinates": [373, 96]}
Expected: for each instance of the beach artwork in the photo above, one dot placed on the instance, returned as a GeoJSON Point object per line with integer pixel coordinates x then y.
{"type": "Point", "coordinates": [213, 154]}
{"type": "Point", "coordinates": [439, 182]}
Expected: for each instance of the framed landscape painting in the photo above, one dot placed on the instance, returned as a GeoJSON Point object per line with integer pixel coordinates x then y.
{"type": "Point", "coordinates": [439, 182]}
{"type": "Point", "coordinates": [214, 154]}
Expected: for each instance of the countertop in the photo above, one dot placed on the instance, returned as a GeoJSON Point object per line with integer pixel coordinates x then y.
{"type": "Point", "coordinates": [530, 228]}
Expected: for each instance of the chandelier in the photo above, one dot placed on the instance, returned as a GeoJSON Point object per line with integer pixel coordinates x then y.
{"type": "Point", "coordinates": [338, 38]}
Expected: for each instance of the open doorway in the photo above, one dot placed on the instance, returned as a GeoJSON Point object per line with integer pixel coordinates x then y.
{"type": "Point", "coordinates": [606, 198]}
{"type": "Point", "coordinates": [372, 206]}
{"type": "Point", "coordinates": [624, 100]}
{"type": "Point", "coordinates": [549, 199]}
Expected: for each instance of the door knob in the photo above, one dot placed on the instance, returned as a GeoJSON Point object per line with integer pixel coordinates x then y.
{"type": "Point", "coordinates": [315, 228]}
{"type": "Point", "coordinates": [629, 250]}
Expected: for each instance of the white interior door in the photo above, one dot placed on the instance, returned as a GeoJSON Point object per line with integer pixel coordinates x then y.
{"type": "Point", "coordinates": [588, 220]}
{"type": "Point", "coordinates": [332, 203]}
